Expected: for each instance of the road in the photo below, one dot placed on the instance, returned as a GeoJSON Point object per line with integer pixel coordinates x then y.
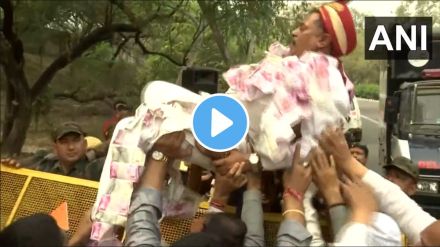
{"type": "Point", "coordinates": [370, 131]}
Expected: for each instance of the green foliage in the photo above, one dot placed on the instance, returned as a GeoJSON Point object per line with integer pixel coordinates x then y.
{"type": "Point", "coordinates": [421, 8]}
{"type": "Point", "coordinates": [246, 23]}
{"type": "Point", "coordinates": [358, 69]}
{"type": "Point", "coordinates": [91, 49]}
{"type": "Point", "coordinates": [368, 91]}
{"type": "Point", "coordinates": [49, 29]}
{"type": "Point", "coordinates": [102, 51]}
{"type": "Point", "coordinates": [106, 78]}
{"type": "Point", "coordinates": [57, 22]}
{"type": "Point", "coordinates": [248, 28]}
{"type": "Point", "coordinates": [280, 28]}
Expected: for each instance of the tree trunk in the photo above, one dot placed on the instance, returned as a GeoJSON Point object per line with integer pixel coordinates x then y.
{"type": "Point", "coordinates": [19, 103]}
{"type": "Point", "coordinates": [21, 110]}
{"type": "Point", "coordinates": [15, 140]}
{"type": "Point", "coordinates": [20, 95]}
{"type": "Point", "coordinates": [209, 13]}
{"type": "Point", "coordinates": [250, 49]}
{"type": "Point", "coordinates": [9, 111]}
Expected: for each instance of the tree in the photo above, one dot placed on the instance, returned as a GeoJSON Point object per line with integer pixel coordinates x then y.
{"type": "Point", "coordinates": [85, 32]}
{"type": "Point", "coordinates": [246, 27]}
{"type": "Point", "coordinates": [420, 8]}
{"type": "Point", "coordinates": [358, 69]}
{"type": "Point", "coordinates": [146, 40]}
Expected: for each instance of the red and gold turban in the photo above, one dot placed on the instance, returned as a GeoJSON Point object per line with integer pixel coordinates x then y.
{"type": "Point", "coordinates": [338, 22]}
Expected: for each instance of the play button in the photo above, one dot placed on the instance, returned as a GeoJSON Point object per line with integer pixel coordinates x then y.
{"type": "Point", "coordinates": [220, 123]}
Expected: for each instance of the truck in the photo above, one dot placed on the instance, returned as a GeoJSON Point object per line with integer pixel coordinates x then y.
{"type": "Point", "coordinates": [354, 122]}
{"type": "Point", "coordinates": [409, 102]}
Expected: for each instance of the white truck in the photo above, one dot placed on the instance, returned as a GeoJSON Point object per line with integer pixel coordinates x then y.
{"type": "Point", "coordinates": [355, 122]}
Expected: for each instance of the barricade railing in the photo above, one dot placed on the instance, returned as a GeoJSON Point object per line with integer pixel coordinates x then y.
{"type": "Point", "coordinates": [25, 192]}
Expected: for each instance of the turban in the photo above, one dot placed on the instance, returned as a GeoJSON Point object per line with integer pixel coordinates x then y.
{"type": "Point", "coordinates": [338, 22]}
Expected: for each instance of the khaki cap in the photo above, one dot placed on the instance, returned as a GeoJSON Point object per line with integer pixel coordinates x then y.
{"type": "Point", "coordinates": [66, 128]}
{"type": "Point", "coordinates": [405, 165]}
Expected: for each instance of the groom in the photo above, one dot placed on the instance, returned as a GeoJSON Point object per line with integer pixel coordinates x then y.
{"type": "Point", "coordinates": [328, 29]}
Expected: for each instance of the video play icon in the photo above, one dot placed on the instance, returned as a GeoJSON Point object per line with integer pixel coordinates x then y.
{"type": "Point", "coordinates": [220, 123]}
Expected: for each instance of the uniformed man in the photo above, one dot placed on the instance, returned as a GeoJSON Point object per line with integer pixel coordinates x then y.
{"type": "Point", "coordinates": [404, 173]}
{"type": "Point", "coordinates": [68, 157]}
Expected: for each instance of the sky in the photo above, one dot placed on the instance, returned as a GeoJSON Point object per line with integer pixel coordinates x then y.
{"type": "Point", "coordinates": [376, 8]}
{"type": "Point", "coordinates": [373, 8]}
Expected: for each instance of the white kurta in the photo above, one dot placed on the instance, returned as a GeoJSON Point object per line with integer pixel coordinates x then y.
{"type": "Point", "coordinates": [278, 93]}
{"type": "Point", "coordinates": [410, 217]}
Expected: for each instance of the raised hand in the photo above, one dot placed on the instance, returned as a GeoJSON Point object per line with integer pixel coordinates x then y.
{"type": "Point", "coordinates": [223, 165]}
{"type": "Point", "coordinates": [333, 142]}
{"type": "Point", "coordinates": [360, 198]}
{"type": "Point", "coordinates": [213, 155]}
{"type": "Point", "coordinates": [326, 177]}
{"type": "Point", "coordinates": [10, 162]}
{"type": "Point", "coordinates": [231, 181]}
{"type": "Point", "coordinates": [171, 145]}
{"type": "Point", "coordinates": [298, 176]}
{"type": "Point", "coordinates": [296, 180]}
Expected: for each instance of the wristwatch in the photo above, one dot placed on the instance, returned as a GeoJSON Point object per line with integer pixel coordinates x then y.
{"type": "Point", "coordinates": [254, 160]}
{"type": "Point", "coordinates": [159, 156]}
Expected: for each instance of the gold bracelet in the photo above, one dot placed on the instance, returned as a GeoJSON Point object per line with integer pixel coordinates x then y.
{"type": "Point", "coordinates": [293, 211]}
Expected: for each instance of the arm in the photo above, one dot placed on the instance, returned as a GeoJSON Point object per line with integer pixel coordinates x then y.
{"type": "Point", "coordinates": [224, 185]}
{"type": "Point", "coordinates": [312, 218]}
{"type": "Point", "coordinates": [393, 201]}
{"type": "Point", "coordinates": [146, 208]}
{"type": "Point", "coordinates": [34, 161]}
{"type": "Point", "coordinates": [363, 204]}
{"type": "Point", "coordinates": [355, 231]}
{"type": "Point", "coordinates": [146, 205]}
{"type": "Point", "coordinates": [31, 162]}
{"type": "Point", "coordinates": [352, 234]}
{"type": "Point", "coordinates": [338, 217]}
{"type": "Point", "coordinates": [326, 179]}
{"type": "Point", "coordinates": [219, 199]}
{"type": "Point", "coordinates": [252, 216]}
{"type": "Point", "coordinates": [296, 180]}
{"type": "Point", "coordinates": [82, 233]}
{"type": "Point", "coordinates": [293, 233]}
{"type": "Point", "coordinates": [252, 213]}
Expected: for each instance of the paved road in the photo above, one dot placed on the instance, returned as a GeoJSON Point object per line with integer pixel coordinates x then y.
{"type": "Point", "coordinates": [370, 129]}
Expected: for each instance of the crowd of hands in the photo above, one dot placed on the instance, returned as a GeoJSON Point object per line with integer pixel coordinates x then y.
{"type": "Point", "coordinates": [329, 166]}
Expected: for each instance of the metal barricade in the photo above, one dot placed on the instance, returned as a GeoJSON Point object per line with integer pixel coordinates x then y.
{"type": "Point", "coordinates": [25, 192]}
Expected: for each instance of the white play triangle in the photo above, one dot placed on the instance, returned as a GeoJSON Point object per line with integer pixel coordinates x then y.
{"type": "Point", "coordinates": [219, 122]}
